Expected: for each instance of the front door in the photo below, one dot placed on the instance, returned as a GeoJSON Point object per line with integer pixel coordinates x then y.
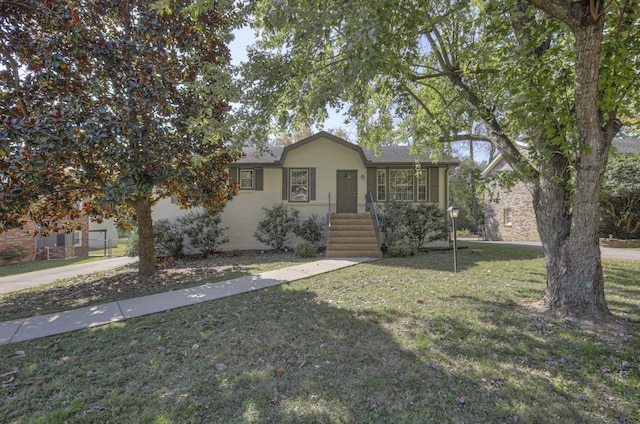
{"type": "Point", "coordinates": [347, 188]}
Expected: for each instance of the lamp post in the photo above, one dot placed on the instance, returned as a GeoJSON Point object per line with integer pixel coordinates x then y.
{"type": "Point", "coordinates": [453, 213]}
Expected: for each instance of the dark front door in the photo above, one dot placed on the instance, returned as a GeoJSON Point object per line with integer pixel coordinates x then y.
{"type": "Point", "coordinates": [347, 188]}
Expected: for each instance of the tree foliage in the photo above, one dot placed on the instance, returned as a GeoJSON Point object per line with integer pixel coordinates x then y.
{"type": "Point", "coordinates": [111, 105]}
{"type": "Point", "coordinates": [558, 75]}
{"type": "Point", "coordinates": [620, 197]}
{"type": "Point", "coordinates": [465, 188]}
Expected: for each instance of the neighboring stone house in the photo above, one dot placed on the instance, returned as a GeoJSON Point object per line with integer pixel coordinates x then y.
{"type": "Point", "coordinates": [511, 217]}
{"type": "Point", "coordinates": [22, 244]}
{"type": "Point", "coordinates": [322, 174]}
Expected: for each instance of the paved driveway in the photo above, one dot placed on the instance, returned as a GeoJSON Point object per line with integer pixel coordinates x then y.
{"type": "Point", "coordinates": [606, 252]}
{"type": "Point", "coordinates": [37, 278]}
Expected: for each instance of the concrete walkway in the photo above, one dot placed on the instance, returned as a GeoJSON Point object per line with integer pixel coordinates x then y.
{"type": "Point", "coordinates": [91, 316]}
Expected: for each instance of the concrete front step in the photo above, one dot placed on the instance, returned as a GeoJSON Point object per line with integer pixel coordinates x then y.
{"type": "Point", "coordinates": [349, 239]}
{"type": "Point", "coordinates": [352, 236]}
{"type": "Point", "coordinates": [375, 254]}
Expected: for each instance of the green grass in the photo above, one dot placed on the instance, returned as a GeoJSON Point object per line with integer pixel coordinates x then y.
{"type": "Point", "coordinates": [30, 266]}
{"type": "Point", "coordinates": [391, 341]}
{"type": "Point", "coordinates": [120, 250]}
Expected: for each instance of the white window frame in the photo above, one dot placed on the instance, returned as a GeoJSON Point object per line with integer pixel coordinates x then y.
{"type": "Point", "coordinates": [404, 195]}
{"type": "Point", "coordinates": [508, 217]}
{"type": "Point", "coordinates": [423, 186]}
{"type": "Point", "coordinates": [299, 184]}
{"type": "Point", "coordinates": [77, 238]}
{"type": "Point", "coordinates": [381, 185]}
{"type": "Point", "coordinates": [242, 180]}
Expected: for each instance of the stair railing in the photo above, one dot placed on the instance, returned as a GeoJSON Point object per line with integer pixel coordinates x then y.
{"type": "Point", "coordinates": [326, 233]}
{"type": "Point", "coordinates": [373, 211]}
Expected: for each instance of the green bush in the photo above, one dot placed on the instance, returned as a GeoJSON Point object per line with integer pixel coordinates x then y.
{"type": "Point", "coordinates": [204, 231]}
{"type": "Point", "coordinates": [275, 227]}
{"type": "Point", "coordinates": [168, 238]}
{"type": "Point", "coordinates": [402, 248]}
{"type": "Point", "coordinates": [306, 249]}
{"type": "Point", "coordinates": [132, 243]}
{"type": "Point", "coordinates": [424, 222]}
{"type": "Point", "coordinates": [418, 223]}
{"type": "Point", "coordinates": [311, 230]}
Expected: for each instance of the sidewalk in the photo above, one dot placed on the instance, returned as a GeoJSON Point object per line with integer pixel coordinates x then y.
{"type": "Point", "coordinates": [91, 316]}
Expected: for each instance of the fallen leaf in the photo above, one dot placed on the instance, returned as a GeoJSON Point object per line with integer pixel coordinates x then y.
{"type": "Point", "coordinates": [20, 353]}
{"type": "Point", "coordinates": [280, 372]}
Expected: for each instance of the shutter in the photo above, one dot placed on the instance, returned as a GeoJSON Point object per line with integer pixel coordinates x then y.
{"type": "Point", "coordinates": [285, 183]}
{"type": "Point", "coordinates": [434, 184]}
{"type": "Point", "coordinates": [259, 179]}
{"type": "Point", "coordinates": [233, 171]}
{"type": "Point", "coordinates": [372, 182]}
{"type": "Point", "coordinates": [312, 183]}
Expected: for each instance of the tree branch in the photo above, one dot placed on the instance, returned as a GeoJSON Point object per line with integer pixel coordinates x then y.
{"type": "Point", "coordinates": [16, 80]}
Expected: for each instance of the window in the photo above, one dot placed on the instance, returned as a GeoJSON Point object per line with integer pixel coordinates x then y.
{"type": "Point", "coordinates": [299, 185]}
{"type": "Point", "coordinates": [77, 238]}
{"type": "Point", "coordinates": [508, 218]}
{"type": "Point", "coordinates": [422, 186]}
{"type": "Point", "coordinates": [246, 179]}
{"type": "Point", "coordinates": [382, 185]}
{"type": "Point", "coordinates": [401, 184]}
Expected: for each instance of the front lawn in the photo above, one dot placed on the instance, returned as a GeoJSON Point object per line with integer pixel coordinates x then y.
{"type": "Point", "coordinates": [390, 341]}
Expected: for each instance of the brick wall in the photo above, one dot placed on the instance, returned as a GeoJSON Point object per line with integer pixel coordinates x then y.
{"type": "Point", "coordinates": [517, 203]}
{"type": "Point", "coordinates": [22, 240]}
{"type": "Point", "coordinates": [17, 242]}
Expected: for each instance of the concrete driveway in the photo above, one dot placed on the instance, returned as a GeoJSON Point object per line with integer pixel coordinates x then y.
{"type": "Point", "coordinates": [37, 278]}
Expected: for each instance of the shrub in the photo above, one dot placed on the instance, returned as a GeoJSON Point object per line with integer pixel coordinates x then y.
{"type": "Point", "coordinates": [306, 249]}
{"type": "Point", "coordinates": [204, 231]}
{"type": "Point", "coordinates": [424, 222]}
{"type": "Point", "coordinates": [311, 230]}
{"type": "Point", "coordinates": [14, 253]}
{"type": "Point", "coordinates": [391, 223]}
{"type": "Point", "coordinates": [418, 223]}
{"type": "Point", "coordinates": [402, 248]}
{"type": "Point", "coordinates": [132, 243]}
{"type": "Point", "coordinates": [278, 223]}
{"type": "Point", "coordinates": [168, 239]}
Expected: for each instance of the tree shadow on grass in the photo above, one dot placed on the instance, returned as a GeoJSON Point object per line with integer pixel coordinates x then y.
{"type": "Point", "coordinates": [287, 355]}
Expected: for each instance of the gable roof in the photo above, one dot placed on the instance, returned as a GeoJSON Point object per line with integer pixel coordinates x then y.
{"type": "Point", "coordinates": [621, 146]}
{"type": "Point", "coordinates": [390, 155]}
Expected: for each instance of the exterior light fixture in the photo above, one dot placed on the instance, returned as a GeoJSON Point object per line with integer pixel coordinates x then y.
{"type": "Point", "coordinates": [454, 211]}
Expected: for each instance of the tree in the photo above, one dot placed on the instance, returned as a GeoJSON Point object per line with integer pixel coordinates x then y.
{"type": "Point", "coordinates": [558, 75]}
{"type": "Point", "coordinates": [108, 106]}
{"type": "Point", "coordinates": [620, 197]}
{"type": "Point", "coordinates": [464, 190]}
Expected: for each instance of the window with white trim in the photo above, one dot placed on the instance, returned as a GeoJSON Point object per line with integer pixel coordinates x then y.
{"type": "Point", "coordinates": [247, 179]}
{"type": "Point", "coordinates": [299, 185]}
{"type": "Point", "coordinates": [401, 184]}
{"type": "Point", "coordinates": [508, 217]}
{"type": "Point", "coordinates": [422, 185]}
{"type": "Point", "coordinates": [382, 185]}
{"type": "Point", "coordinates": [77, 238]}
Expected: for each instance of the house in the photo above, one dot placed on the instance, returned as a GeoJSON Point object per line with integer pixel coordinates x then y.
{"type": "Point", "coordinates": [512, 217]}
{"type": "Point", "coordinates": [22, 244]}
{"type": "Point", "coordinates": [326, 176]}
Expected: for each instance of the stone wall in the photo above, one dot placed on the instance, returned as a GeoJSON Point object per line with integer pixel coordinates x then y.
{"type": "Point", "coordinates": [516, 203]}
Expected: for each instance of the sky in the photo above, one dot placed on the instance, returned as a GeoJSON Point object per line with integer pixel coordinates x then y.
{"type": "Point", "coordinates": [244, 37]}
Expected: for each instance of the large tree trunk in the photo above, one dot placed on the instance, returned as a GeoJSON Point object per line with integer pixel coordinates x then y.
{"type": "Point", "coordinates": [146, 250]}
{"type": "Point", "coordinates": [569, 229]}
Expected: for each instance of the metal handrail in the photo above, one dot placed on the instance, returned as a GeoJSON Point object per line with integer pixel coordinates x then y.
{"type": "Point", "coordinates": [328, 222]}
{"type": "Point", "coordinates": [373, 211]}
